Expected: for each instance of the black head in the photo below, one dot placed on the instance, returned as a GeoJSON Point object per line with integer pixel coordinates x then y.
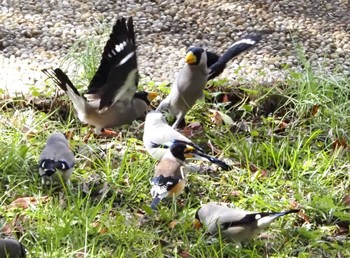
{"type": "Point", "coordinates": [146, 96]}
{"type": "Point", "coordinates": [197, 224]}
{"type": "Point", "coordinates": [194, 55]}
{"type": "Point", "coordinates": [181, 151]}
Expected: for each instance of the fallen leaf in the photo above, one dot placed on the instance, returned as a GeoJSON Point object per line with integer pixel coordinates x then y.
{"type": "Point", "coordinates": [225, 98]}
{"type": "Point", "coordinates": [295, 205]}
{"type": "Point", "coordinates": [172, 224]}
{"type": "Point", "coordinates": [342, 228]}
{"type": "Point", "coordinates": [25, 202]}
{"type": "Point", "coordinates": [346, 200]}
{"type": "Point", "coordinates": [339, 143]}
{"type": "Point", "coordinates": [6, 230]}
{"type": "Point", "coordinates": [81, 253]}
{"type": "Point", "coordinates": [220, 118]}
{"type": "Point", "coordinates": [281, 127]}
{"type": "Point", "coordinates": [315, 109]}
{"type": "Point", "coordinates": [216, 118]}
{"type": "Point", "coordinates": [184, 254]}
{"type": "Point", "coordinates": [18, 222]}
{"type": "Point", "coordinates": [69, 135]}
{"type": "Point", "coordinates": [100, 228]}
{"type": "Point", "coordinates": [235, 193]}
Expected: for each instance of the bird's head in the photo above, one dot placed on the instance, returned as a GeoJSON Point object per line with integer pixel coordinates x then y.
{"type": "Point", "coordinates": [197, 224]}
{"type": "Point", "coordinates": [182, 151]}
{"type": "Point", "coordinates": [194, 55]}
{"type": "Point", "coordinates": [147, 97]}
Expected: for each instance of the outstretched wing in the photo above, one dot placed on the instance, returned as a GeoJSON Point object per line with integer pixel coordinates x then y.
{"type": "Point", "coordinates": [117, 76]}
{"type": "Point", "coordinates": [235, 49]}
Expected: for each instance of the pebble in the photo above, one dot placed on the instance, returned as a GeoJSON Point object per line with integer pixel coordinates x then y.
{"type": "Point", "coordinates": [38, 34]}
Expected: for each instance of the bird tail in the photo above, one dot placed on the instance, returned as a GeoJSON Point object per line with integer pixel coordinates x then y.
{"type": "Point", "coordinates": [235, 49]}
{"type": "Point", "coordinates": [156, 200]}
{"type": "Point", "coordinates": [268, 217]}
{"type": "Point", "coordinates": [63, 81]}
{"type": "Point", "coordinates": [214, 160]}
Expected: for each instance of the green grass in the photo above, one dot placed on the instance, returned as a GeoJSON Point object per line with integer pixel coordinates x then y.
{"type": "Point", "coordinates": [106, 213]}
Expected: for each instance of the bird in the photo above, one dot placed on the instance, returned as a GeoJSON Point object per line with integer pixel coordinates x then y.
{"type": "Point", "coordinates": [235, 224]}
{"type": "Point", "coordinates": [158, 136]}
{"type": "Point", "coordinates": [200, 67]}
{"type": "Point", "coordinates": [169, 178]}
{"type": "Point", "coordinates": [55, 158]}
{"type": "Point", "coordinates": [111, 99]}
{"type": "Point", "coordinates": [11, 248]}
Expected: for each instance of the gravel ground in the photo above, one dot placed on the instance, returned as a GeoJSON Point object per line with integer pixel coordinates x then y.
{"type": "Point", "coordinates": [37, 34]}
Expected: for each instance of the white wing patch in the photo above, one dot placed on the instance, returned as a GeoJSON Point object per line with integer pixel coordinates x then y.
{"type": "Point", "coordinates": [245, 41]}
{"type": "Point", "coordinates": [120, 46]}
{"type": "Point", "coordinates": [125, 59]}
{"type": "Point", "coordinates": [159, 191]}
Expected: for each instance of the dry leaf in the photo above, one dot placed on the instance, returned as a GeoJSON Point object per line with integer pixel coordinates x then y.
{"type": "Point", "coordinates": [100, 228]}
{"type": "Point", "coordinates": [339, 143]}
{"type": "Point", "coordinates": [172, 224]}
{"type": "Point", "coordinates": [6, 229]}
{"type": "Point", "coordinates": [225, 98]}
{"type": "Point", "coordinates": [184, 254]}
{"type": "Point", "coordinates": [315, 109]}
{"type": "Point", "coordinates": [346, 200]}
{"type": "Point", "coordinates": [69, 135]}
{"type": "Point", "coordinates": [216, 118]}
{"type": "Point", "coordinates": [235, 193]}
{"type": "Point", "coordinates": [25, 202]}
{"type": "Point", "coordinates": [281, 127]}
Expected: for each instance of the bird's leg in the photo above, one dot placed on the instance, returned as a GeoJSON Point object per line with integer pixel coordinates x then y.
{"type": "Point", "coordinates": [179, 118]}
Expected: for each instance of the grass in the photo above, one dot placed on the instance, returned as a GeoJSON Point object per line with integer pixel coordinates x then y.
{"type": "Point", "coordinates": [291, 155]}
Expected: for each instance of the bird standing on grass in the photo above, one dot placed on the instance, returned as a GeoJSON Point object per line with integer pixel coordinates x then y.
{"type": "Point", "coordinates": [201, 66]}
{"type": "Point", "coordinates": [169, 178]}
{"type": "Point", "coordinates": [56, 160]}
{"type": "Point", "coordinates": [111, 99]}
{"type": "Point", "coordinates": [11, 248]}
{"type": "Point", "coordinates": [158, 136]}
{"type": "Point", "coordinates": [235, 224]}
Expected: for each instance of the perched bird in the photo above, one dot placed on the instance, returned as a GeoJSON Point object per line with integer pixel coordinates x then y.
{"type": "Point", "coordinates": [170, 176]}
{"type": "Point", "coordinates": [110, 100]}
{"type": "Point", "coordinates": [201, 66]}
{"type": "Point", "coordinates": [56, 157]}
{"type": "Point", "coordinates": [235, 224]}
{"type": "Point", "coordinates": [158, 136]}
{"type": "Point", "coordinates": [11, 248]}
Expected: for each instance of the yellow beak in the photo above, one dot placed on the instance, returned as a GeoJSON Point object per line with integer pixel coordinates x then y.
{"type": "Point", "coordinates": [151, 96]}
{"type": "Point", "coordinates": [190, 58]}
{"type": "Point", "coordinates": [188, 151]}
{"type": "Point", "coordinates": [197, 224]}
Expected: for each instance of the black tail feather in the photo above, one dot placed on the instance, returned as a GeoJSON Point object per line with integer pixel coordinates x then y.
{"type": "Point", "coordinates": [155, 203]}
{"type": "Point", "coordinates": [60, 79]}
{"type": "Point", "coordinates": [216, 161]}
{"type": "Point", "coordinates": [236, 49]}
